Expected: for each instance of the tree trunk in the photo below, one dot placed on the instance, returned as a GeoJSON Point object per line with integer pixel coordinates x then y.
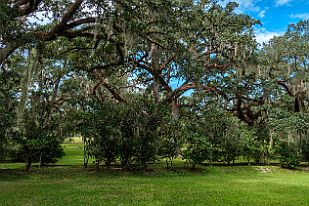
{"type": "Point", "coordinates": [28, 166]}
{"type": "Point", "coordinates": [155, 89]}
{"type": "Point", "coordinates": [175, 109]}
{"type": "Point", "coordinates": [86, 153]}
{"type": "Point", "coordinates": [271, 140]}
{"type": "Point", "coordinates": [97, 164]}
{"type": "Point", "coordinates": [108, 162]}
{"type": "Point", "coordinates": [167, 163]}
{"type": "Point", "coordinates": [41, 154]}
{"type": "Point", "coordinates": [296, 105]}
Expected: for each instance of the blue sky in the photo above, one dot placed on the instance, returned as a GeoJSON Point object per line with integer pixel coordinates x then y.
{"type": "Point", "coordinates": [275, 15]}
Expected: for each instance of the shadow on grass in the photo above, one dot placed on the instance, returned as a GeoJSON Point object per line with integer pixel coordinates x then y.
{"type": "Point", "coordinates": [74, 171]}
{"type": "Point", "coordinates": [222, 164]}
{"type": "Point", "coordinates": [13, 174]}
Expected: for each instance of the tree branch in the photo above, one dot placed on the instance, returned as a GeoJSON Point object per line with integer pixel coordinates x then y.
{"type": "Point", "coordinates": [110, 89]}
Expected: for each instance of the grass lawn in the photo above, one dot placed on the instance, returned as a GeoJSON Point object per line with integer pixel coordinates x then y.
{"type": "Point", "coordinates": [69, 184]}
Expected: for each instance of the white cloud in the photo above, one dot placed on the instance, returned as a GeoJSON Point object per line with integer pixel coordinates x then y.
{"type": "Point", "coordinates": [249, 6]}
{"type": "Point", "coordinates": [40, 18]}
{"type": "Point", "coordinates": [245, 5]}
{"type": "Point", "coordinates": [263, 36]}
{"type": "Point", "coordinates": [282, 2]}
{"type": "Point", "coordinates": [300, 16]}
{"type": "Point", "coordinates": [261, 14]}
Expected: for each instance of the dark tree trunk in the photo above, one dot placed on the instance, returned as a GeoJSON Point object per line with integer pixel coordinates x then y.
{"type": "Point", "coordinates": [296, 105]}
{"type": "Point", "coordinates": [108, 162]}
{"type": "Point", "coordinates": [28, 166]}
{"type": "Point", "coordinates": [97, 164]}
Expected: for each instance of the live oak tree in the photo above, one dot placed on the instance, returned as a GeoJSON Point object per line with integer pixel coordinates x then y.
{"type": "Point", "coordinates": [286, 63]}
{"type": "Point", "coordinates": [208, 44]}
{"type": "Point", "coordinates": [72, 65]}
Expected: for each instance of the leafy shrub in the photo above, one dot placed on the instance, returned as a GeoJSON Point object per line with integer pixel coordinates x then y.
{"type": "Point", "coordinates": [101, 131]}
{"type": "Point", "coordinates": [289, 156]}
{"type": "Point", "coordinates": [198, 150]}
{"type": "Point", "coordinates": [172, 136]}
{"type": "Point", "coordinates": [140, 134]}
{"type": "Point", "coordinates": [38, 143]}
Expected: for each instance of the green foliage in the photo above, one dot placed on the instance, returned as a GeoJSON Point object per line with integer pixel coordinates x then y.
{"type": "Point", "coordinates": [108, 70]}
{"type": "Point", "coordinates": [255, 148]}
{"type": "Point", "coordinates": [41, 148]}
{"type": "Point", "coordinates": [233, 147]}
{"type": "Point", "coordinates": [197, 149]}
{"type": "Point", "coordinates": [128, 132]}
{"type": "Point", "coordinates": [305, 147]}
{"type": "Point", "coordinates": [173, 134]}
{"type": "Point", "coordinates": [289, 156]}
{"type": "Point", "coordinates": [292, 124]}
{"type": "Point", "coordinates": [38, 115]}
{"type": "Point", "coordinates": [221, 130]}
{"type": "Point", "coordinates": [39, 140]}
{"type": "Point", "coordinates": [101, 130]}
{"type": "Point", "coordinates": [140, 133]}
{"type": "Point", "coordinates": [8, 81]}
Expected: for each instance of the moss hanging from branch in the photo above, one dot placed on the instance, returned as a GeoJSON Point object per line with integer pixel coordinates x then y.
{"type": "Point", "coordinates": [31, 71]}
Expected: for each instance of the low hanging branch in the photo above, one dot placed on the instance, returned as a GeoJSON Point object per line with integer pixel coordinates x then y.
{"type": "Point", "coordinates": [115, 94]}
{"type": "Point", "coordinates": [64, 28]}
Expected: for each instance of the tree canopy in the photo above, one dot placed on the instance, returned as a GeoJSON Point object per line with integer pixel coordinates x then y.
{"type": "Point", "coordinates": [142, 79]}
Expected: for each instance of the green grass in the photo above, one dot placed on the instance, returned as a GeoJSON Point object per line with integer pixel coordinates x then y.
{"type": "Point", "coordinates": [73, 140]}
{"type": "Point", "coordinates": [73, 154]}
{"type": "Point", "coordinates": [69, 184]}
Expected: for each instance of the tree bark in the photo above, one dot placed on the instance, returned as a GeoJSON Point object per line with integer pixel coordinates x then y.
{"type": "Point", "coordinates": [6, 52]}
{"type": "Point", "coordinates": [28, 165]}
{"type": "Point", "coordinates": [155, 89]}
{"type": "Point", "coordinates": [175, 109]}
